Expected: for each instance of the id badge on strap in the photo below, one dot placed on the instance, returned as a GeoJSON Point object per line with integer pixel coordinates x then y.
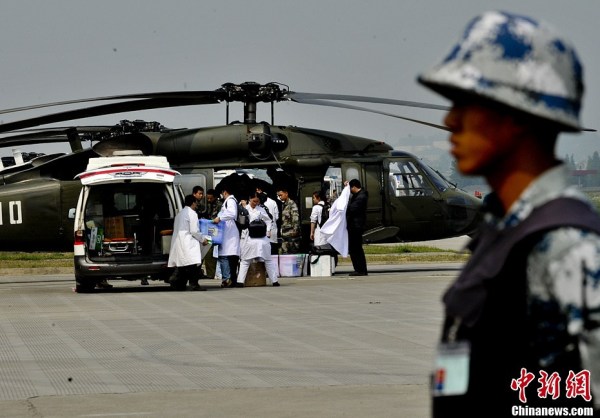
{"type": "Point", "coordinates": [451, 372]}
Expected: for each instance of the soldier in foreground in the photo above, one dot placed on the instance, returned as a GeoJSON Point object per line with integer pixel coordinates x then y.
{"type": "Point", "coordinates": [524, 313]}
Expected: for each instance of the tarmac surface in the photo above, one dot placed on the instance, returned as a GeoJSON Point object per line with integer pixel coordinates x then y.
{"type": "Point", "coordinates": [339, 346]}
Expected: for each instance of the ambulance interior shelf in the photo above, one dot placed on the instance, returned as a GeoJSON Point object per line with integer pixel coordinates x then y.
{"type": "Point", "coordinates": [126, 234]}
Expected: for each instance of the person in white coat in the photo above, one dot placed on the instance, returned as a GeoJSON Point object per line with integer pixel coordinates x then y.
{"type": "Point", "coordinates": [185, 247]}
{"type": "Point", "coordinates": [256, 248]}
{"type": "Point", "coordinates": [273, 209]}
{"type": "Point", "coordinates": [228, 252]}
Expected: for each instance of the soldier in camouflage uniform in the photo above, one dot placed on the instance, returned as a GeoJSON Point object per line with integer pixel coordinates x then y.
{"type": "Point", "coordinates": [290, 224]}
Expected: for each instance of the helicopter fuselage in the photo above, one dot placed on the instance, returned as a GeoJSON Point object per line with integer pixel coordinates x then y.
{"type": "Point", "coordinates": [408, 201]}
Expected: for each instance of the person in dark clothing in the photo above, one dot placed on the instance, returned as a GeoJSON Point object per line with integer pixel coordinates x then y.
{"type": "Point", "coordinates": [356, 218]}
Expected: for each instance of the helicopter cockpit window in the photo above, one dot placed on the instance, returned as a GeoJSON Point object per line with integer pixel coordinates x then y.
{"type": "Point", "coordinates": [188, 181]}
{"type": "Point", "coordinates": [407, 180]}
{"type": "Point", "coordinates": [438, 180]}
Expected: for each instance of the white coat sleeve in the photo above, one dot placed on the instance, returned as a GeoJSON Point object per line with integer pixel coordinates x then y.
{"type": "Point", "coordinates": [195, 227]}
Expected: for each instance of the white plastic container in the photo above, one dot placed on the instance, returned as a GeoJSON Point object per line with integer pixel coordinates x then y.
{"type": "Point", "coordinates": [290, 265]}
{"type": "Point", "coordinates": [321, 265]}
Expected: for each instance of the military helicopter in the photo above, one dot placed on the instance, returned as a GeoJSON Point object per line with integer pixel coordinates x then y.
{"type": "Point", "coordinates": [408, 200]}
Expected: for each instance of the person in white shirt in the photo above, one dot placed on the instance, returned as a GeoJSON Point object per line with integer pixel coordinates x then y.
{"type": "Point", "coordinates": [316, 217]}
{"type": "Point", "coordinates": [252, 249]}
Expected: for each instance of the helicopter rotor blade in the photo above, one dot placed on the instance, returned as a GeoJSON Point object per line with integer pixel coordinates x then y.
{"type": "Point", "coordinates": [49, 135]}
{"type": "Point", "coordinates": [52, 130]}
{"type": "Point", "coordinates": [184, 95]}
{"type": "Point", "coordinates": [306, 97]}
{"type": "Point", "coordinates": [364, 109]}
{"type": "Point", "coordinates": [248, 92]}
{"type": "Point", "coordinates": [107, 109]}
{"type": "Point", "coordinates": [14, 141]}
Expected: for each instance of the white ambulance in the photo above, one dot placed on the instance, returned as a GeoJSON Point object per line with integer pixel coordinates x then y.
{"type": "Point", "coordinates": [124, 219]}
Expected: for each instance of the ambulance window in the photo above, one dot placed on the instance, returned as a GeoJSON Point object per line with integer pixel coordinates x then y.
{"type": "Point", "coordinates": [125, 201]}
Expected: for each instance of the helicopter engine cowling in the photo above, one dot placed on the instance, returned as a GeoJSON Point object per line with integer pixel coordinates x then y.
{"type": "Point", "coordinates": [128, 142]}
{"type": "Point", "coordinates": [229, 143]}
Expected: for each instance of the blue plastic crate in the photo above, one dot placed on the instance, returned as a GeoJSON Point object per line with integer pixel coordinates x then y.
{"type": "Point", "coordinates": [215, 231]}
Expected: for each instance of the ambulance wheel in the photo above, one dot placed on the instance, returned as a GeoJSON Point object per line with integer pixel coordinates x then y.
{"type": "Point", "coordinates": [84, 286]}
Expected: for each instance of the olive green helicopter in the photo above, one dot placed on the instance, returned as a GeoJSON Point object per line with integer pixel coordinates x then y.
{"type": "Point", "coordinates": [408, 200]}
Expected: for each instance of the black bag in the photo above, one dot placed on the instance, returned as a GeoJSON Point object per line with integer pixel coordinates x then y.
{"type": "Point", "coordinates": [257, 229]}
{"type": "Point", "coordinates": [325, 249]}
{"type": "Point", "coordinates": [324, 214]}
{"type": "Point", "coordinates": [243, 218]}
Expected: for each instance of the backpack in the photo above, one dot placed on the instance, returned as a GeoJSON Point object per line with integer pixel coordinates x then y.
{"type": "Point", "coordinates": [324, 215]}
{"type": "Point", "coordinates": [257, 229]}
{"type": "Point", "coordinates": [243, 218]}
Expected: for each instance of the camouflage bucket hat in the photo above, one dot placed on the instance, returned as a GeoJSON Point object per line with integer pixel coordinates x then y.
{"type": "Point", "coordinates": [515, 61]}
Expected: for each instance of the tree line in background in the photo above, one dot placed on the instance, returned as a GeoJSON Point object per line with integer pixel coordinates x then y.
{"type": "Point", "coordinates": [587, 174]}
{"type": "Point", "coordinates": [584, 174]}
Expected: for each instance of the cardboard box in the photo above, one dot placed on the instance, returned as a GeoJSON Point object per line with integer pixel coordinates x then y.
{"type": "Point", "coordinates": [114, 227]}
{"type": "Point", "coordinates": [257, 275]}
{"type": "Point", "coordinates": [321, 265]}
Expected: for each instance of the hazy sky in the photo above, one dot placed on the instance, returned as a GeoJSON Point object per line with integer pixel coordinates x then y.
{"type": "Point", "coordinates": [66, 49]}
